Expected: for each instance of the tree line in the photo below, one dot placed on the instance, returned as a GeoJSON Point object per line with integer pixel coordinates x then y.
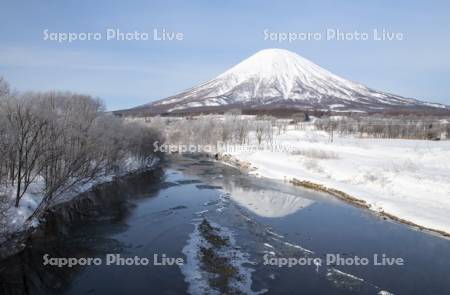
{"type": "Point", "coordinates": [231, 128]}
{"type": "Point", "coordinates": [403, 127]}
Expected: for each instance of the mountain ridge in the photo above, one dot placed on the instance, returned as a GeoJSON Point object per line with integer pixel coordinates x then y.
{"type": "Point", "coordinates": [275, 78]}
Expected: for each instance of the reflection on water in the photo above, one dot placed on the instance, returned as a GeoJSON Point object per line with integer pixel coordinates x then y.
{"type": "Point", "coordinates": [258, 218]}
{"type": "Point", "coordinates": [268, 203]}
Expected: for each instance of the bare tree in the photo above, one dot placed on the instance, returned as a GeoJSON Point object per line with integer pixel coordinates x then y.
{"type": "Point", "coordinates": [260, 130]}
{"type": "Point", "coordinates": [4, 88]}
{"type": "Point", "coordinates": [26, 127]}
{"type": "Point", "coordinates": [242, 130]}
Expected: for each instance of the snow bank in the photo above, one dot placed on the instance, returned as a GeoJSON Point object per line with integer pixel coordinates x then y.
{"type": "Point", "coordinates": [14, 219]}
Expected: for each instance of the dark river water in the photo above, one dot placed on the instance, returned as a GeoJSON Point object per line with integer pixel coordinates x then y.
{"type": "Point", "coordinates": [264, 225]}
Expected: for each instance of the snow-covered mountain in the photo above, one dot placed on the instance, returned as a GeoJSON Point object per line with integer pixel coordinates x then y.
{"type": "Point", "coordinates": [278, 78]}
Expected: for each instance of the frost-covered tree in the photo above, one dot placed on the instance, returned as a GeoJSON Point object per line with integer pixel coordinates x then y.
{"type": "Point", "coordinates": [25, 127]}
{"type": "Point", "coordinates": [65, 139]}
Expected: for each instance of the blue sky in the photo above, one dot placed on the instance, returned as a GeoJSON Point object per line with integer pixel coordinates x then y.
{"type": "Point", "coordinates": [218, 35]}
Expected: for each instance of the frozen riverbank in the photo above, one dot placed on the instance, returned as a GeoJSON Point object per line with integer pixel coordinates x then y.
{"type": "Point", "coordinates": [408, 180]}
{"type": "Point", "coordinates": [15, 221]}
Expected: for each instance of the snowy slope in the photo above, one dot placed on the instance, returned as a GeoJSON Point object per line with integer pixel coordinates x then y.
{"type": "Point", "coordinates": [277, 77]}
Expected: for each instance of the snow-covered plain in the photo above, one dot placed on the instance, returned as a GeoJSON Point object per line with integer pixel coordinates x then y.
{"type": "Point", "coordinates": [409, 179]}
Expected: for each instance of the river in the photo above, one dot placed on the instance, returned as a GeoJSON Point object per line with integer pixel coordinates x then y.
{"type": "Point", "coordinates": [231, 233]}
